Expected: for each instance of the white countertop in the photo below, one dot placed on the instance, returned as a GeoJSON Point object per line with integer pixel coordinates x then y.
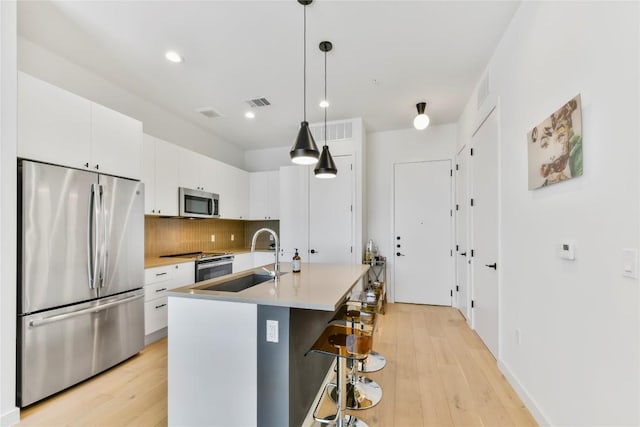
{"type": "Point", "coordinates": [316, 287]}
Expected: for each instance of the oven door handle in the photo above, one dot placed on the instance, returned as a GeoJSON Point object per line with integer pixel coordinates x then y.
{"type": "Point", "coordinates": [201, 266]}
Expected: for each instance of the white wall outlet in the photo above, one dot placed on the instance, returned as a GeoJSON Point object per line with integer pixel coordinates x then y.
{"type": "Point", "coordinates": [568, 250]}
{"type": "Point", "coordinates": [630, 262]}
{"type": "Point", "coordinates": [272, 331]}
{"type": "Point", "coordinates": [271, 237]}
{"type": "Point", "coordinates": [213, 237]}
{"type": "Point", "coordinates": [233, 237]}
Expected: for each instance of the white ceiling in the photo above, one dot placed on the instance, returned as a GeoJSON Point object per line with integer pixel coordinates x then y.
{"type": "Point", "coordinates": [387, 56]}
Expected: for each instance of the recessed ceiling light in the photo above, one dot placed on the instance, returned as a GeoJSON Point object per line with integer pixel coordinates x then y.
{"type": "Point", "coordinates": [250, 115]}
{"type": "Point", "coordinates": [173, 56]}
{"type": "Point", "coordinates": [324, 103]}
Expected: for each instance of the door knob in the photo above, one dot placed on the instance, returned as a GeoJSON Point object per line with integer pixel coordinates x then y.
{"type": "Point", "coordinates": [313, 251]}
{"type": "Point", "coordinates": [397, 246]}
{"type": "Point", "coordinates": [494, 266]}
{"type": "Point", "coordinates": [399, 254]}
{"type": "Point", "coordinates": [398, 238]}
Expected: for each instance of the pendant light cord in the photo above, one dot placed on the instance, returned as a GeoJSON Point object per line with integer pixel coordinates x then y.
{"type": "Point", "coordinates": [304, 72]}
{"type": "Point", "coordinates": [325, 98]}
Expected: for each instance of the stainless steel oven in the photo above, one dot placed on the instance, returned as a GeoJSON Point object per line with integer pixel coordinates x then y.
{"type": "Point", "coordinates": [211, 266]}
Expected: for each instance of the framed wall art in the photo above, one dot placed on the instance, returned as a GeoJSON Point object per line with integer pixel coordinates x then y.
{"type": "Point", "coordinates": [555, 146]}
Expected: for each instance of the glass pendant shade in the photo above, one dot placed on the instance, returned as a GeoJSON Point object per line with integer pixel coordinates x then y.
{"type": "Point", "coordinates": [304, 151]}
{"type": "Point", "coordinates": [422, 120]}
{"type": "Point", "coordinates": [326, 167]}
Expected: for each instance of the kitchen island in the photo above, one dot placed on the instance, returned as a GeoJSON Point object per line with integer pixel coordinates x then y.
{"type": "Point", "coordinates": [226, 369]}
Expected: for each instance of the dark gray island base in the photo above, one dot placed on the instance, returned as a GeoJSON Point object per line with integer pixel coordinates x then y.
{"type": "Point", "coordinates": [222, 369]}
{"type": "Point", "coordinates": [285, 370]}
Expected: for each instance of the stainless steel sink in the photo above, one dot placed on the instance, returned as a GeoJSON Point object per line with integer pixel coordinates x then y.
{"type": "Point", "coordinates": [240, 283]}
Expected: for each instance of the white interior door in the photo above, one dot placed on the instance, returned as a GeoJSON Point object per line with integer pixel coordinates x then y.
{"type": "Point", "coordinates": [422, 232]}
{"type": "Point", "coordinates": [462, 201]}
{"type": "Point", "coordinates": [484, 214]}
{"type": "Point", "coordinates": [331, 216]}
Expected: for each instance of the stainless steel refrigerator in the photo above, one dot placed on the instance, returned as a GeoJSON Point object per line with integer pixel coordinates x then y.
{"type": "Point", "coordinates": [80, 276]}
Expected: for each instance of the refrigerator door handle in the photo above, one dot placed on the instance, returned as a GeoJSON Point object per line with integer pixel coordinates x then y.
{"type": "Point", "coordinates": [105, 252]}
{"type": "Point", "coordinates": [90, 237]}
{"type": "Point", "coordinates": [96, 309]}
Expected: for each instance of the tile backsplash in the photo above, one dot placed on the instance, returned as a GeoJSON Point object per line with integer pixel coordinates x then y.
{"type": "Point", "coordinates": [164, 236]}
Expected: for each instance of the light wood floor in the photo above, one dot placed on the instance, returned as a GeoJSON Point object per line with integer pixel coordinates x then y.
{"type": "Point", "coordinates": [438, 373]}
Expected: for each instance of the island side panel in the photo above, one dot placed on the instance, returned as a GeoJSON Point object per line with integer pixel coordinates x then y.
{"type": "Point", "coordinates": [212, 363]}
{"type": "Point", "coordinates": [273, 368]}
{"type": "Point", "coordinates": [306, 373]}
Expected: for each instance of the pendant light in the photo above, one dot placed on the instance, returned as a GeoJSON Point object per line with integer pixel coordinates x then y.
{"type": "Point", "coordinates": [304, 151]}
{"type": "Point", "coordinates": [325, 168]}
{"type": "Point", "coordinates": [422, 120]}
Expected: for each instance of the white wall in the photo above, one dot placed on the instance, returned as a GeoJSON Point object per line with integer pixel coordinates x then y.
{"type": "Point", "coordinates": [577, 363]}
{"type": "Point", "coordinates": [383, 150]}
{"type": "Point", "coordinates": [9, 414]}
{"type": "Point", "coordinates": [48, 66]}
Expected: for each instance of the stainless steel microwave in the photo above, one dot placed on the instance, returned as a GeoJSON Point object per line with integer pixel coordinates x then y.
{"type": "Point", "coordinates": [198, 204]}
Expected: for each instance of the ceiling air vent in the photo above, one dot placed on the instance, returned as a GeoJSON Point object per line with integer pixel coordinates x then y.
{"type": "Point", "coordinates": [258, 102]}
{"type": "Point", "coordinates": [335, 131]}
{"type": "Point", "coordinates": [208, 112]}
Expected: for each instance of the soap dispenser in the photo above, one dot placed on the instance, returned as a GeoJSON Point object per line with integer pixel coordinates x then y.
{"type": "Point", "coordinates": [295, 264]}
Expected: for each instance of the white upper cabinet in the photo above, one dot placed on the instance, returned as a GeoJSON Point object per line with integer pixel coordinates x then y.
{"type": "Point", "coordinates": [233, 187]}
{"type": "Point", "coordinates": [160, 176]}
{"type": "Point", "coordinates": [53, 125]}
{"type": "Point", "coordinates": [264, 195]}
{"type": "Point", "coordinates": [116, 143]}
{"type": "Point", "coordinates": [59, 127]}
{"type": "Point", "coordinates": [197, 171]}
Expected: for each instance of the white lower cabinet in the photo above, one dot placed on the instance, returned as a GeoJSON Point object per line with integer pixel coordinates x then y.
{"type": "Point", "coordinates": [242, 262]}
{"type": "Point", "coordinates": [263, 258]}
{"type": "Point", "coordinates": [157, 281]}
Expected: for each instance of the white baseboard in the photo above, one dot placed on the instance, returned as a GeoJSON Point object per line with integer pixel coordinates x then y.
{"type": "Point", "coordinates": [529, 402]}
{"type": "Point", "coordinates": [10, 418]}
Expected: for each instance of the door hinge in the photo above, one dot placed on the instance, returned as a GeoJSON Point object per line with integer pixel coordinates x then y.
{"type": "Point", "coordinates": [451, 293]}
{"type": "Point", "coordinates": [450, 252]}
{"type": "Point", "coordinates": [351, 249]}
{"type": "Point", "coordinates": [450, 172]}
{"type": "Point", "coordinates": [351, 208]}
{"type": "Point", "coordinates": [457, 248]}
{"type": "Point", "coordinates": [471, 202]}
{"type": "Point", "coordinates": [457, 207]}
{"type": "Point", "coordinates": [472, 304]}
{"type": "Point", "coordinates": [456, 166]}
{"type": "Point", "coordinates": [351, 166]}
{"type": "Point", "coordinates": [450, 212]}
{"type": "Point", "coordinates": [457, 288]}
{"type": "Point", "coordinates": [471, 252]}
{"type": "Point", "coordinates": [472, 151]}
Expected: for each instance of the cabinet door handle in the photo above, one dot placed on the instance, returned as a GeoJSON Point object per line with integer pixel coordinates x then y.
{"type": "Point", "coordinates": [160, 290]}
{"type": "Point", "coordinates": [160, 274]}
{"type": "Point", "coordinates": [313, 251]}
{"type": "Point", "coordinates": [463, 253]}
{"type": "Point", "coordinates": [494, 266]}
{"type": "Point", "coordinates": [86, 165]}
{"type": "Point", "coordinates": [399, 254]}
{"type": "Point", "coordinates": [161, 305]}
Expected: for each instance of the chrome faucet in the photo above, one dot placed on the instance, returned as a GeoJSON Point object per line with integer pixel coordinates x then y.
{"type": "Point", "coordinates": [276, 267]}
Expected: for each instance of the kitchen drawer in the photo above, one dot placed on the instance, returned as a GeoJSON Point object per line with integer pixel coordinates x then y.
{"type": "Point", "coordinates": [155, 315]}
{"type": "Point", "coordinates": [158, 274]}
{"type": "Point", "coordinates": [155, 290]}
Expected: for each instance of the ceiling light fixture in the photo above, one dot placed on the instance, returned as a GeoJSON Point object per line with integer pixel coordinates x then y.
{"type": "Point", "coordinates": [250, 115]}
{"type": "Point", "coordinates": [173, 56]}
{"type": "Point", "coordinates": [324, 103]}
{"type": "Point", "coordinates": [326, 167]}
{"type": "Point", "coordinates": [422, 120]}
{"type": "Point", "coordinates": [304, 150]}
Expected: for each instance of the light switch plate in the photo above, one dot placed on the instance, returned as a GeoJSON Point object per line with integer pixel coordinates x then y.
{"type": "Point", "coordinates": [630, 262]}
